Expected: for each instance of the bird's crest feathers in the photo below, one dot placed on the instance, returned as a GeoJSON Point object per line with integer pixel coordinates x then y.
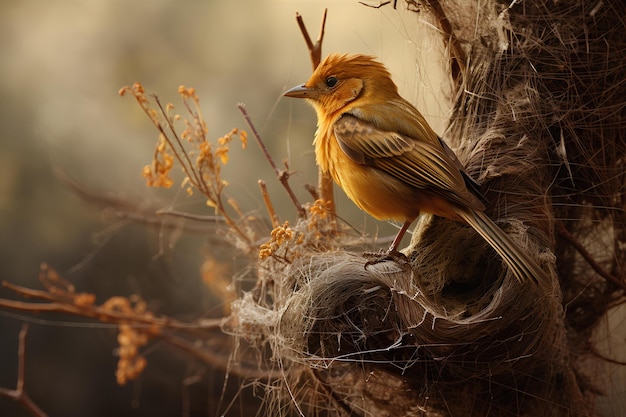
{"type": "Point", "coordinates": [344, 66]}
{"type": "Point", "coordinates": [356, 76]}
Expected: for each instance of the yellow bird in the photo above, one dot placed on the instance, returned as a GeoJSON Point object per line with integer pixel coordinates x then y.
{"type": "Point", "coordinates": [381, 151]}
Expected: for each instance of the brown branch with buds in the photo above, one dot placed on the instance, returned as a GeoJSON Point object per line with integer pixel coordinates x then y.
{"type": "Point", "coordinates": [201, 164]}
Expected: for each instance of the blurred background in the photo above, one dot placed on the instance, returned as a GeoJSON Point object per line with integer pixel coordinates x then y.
{"type": "Point", "coordinates": [62, 65]}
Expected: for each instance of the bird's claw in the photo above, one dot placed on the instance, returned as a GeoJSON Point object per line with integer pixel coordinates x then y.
{"type": "Point", "coordinates": [385, 255]}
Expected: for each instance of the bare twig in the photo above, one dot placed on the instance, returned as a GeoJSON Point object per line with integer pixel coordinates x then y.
{"type": "Point", "coordinates": [184, 160]}
{"type": "Point", "coordinates": [325, 187]}
{"type": "Point", "coordinates": [189, 216]}
{"type": "Point", "coordinates": [315, 50]}
{"type": "Point", "coordinates": [63, 304]}
{"type": "Point", "coordinates": [18, 394]}
{"type": "Point", "coordinates": [452, 42]}
{"type": "Point", "coordinates": [145, 323]}
{"type": "Point", "coordinates": [208, 183]}
{"type": "Point", "coordinates": [379, 5]}
{"type": "Point", "coordinates": [120, 208]}
{"type": "Point", "coordinates": [268, 203]}
{"type": "Point", "coordinates": [325, 181]}
{"type": "Point", "coordinates": [589, 258]}
{"type": "Point", "coordinates": [193, 174]}
{"type": "Point", "coordinates": [283, 175]}
{"type": "Point", "coordinates": [312, 190]}
{"type": "Point", "coordinates": [220, 360]}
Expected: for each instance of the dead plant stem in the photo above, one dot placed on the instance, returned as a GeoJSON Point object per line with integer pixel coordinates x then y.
{"type": "Point", "coordinates": [283, 175]}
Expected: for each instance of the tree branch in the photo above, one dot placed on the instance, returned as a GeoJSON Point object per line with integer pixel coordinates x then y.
{"type": "Point", "coordinates": [283, 175]}
{"type": "Point", "coordinates": [589, 258]}
{"type": "Point", "coordinates": [315, 49]}
{"type": "Point", "coordinates": [18, 394]}
{"type": "Point", "coordinates": [325, 182]}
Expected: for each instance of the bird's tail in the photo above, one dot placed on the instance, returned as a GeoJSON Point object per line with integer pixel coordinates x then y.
{"type": "Point", "coordinates": [522, 265]}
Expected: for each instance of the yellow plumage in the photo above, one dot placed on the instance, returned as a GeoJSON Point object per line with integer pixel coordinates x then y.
{"type": "Point", "coordinates": [384, 155]}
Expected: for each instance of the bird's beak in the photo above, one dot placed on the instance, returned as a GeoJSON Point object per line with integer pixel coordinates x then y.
{"type": "Point", "coordinates": [302, 91]}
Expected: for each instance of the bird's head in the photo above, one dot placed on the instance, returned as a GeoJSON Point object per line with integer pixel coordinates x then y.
{"type": "Point", "coordinates": [340, 80]}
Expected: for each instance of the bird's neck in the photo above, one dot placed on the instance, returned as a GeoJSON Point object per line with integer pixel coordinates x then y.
{"type": "Point", "coordinates": [323, 136]}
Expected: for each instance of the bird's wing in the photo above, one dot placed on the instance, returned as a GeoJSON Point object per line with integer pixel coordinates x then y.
{"type": "Point", "coordinates": [470, 183]}
{"type": "Point", "coordinates": [413, 161]}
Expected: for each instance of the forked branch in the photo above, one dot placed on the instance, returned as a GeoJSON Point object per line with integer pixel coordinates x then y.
{"type": "Point", "coordinates": [325, 182]}
{"type": "Point", "coordinates": [18, 394]}
{"type": "Point", "coordinates": [315, 49]}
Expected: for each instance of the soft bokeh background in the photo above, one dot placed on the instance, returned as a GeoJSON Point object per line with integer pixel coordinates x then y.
{"type": "Point", "coordinates": [62, 65]}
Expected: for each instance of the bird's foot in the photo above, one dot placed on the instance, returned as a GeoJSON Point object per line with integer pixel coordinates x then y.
{"type": "Point", "coordinates": [385, 255]}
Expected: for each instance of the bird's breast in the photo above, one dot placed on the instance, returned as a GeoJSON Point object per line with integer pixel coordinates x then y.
{"type": "Point", "coordinates": [372, 190]}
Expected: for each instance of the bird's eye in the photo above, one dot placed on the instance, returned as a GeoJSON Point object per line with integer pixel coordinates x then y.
{"type": "Point", "coordinates": [331, 81]}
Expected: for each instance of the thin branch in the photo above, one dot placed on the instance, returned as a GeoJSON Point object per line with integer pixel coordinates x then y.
{"type": "Point", "coordinates": [589, 258]}
{"type": "Point", "coordinates": [207, 355]}
{"type": "Point", "coordinates": [379, 5]}
{"type": "Point", "coordinates": [64, 305]}
{"type": "Point", "coordinates": [220, 360]}
{"type": "Point", "coordinates": [213, 189]}
{"type": "Point", "coordinates": [325, 181]}
{"type": "Point", "coordinates": [186, 161]}
{"type": "Point", "coordinates": [128, 210]}
{"type": "Point", "coordinates": [326, 190]}
{"type": "Point", "coordinates": [457, 56]}
{"type": "Point", "coordinates": [283, 175]}
{"type": "Point", "coordinates": [189, 216]}
{"type": "Point", "coordinates": [268, 204]}
{"type": "Point", "coordinates": [154, 327]}
{"type": "Point", "coordinates": [21, 354]}
{"type": "Point", "coordinates": [312, 190]}
{"type": "Point", "coordinates": [18, 394]}
{"type": "Point", "coordinates": [315, 50]}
